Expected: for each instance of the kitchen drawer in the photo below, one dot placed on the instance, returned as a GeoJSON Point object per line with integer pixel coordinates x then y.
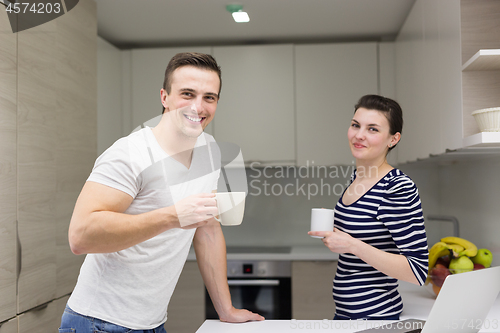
{"type": "Point", "coordinates": [9, 326]}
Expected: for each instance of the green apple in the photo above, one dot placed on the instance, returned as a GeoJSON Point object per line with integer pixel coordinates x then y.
{"type": "Point", "coordinates": [461, 264]}
{"type": "Point", "coordinates": [483, 257]}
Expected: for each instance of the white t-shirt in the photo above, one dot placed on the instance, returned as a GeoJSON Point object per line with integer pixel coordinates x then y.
{"type": "Point", "coordinates": [132, 287]}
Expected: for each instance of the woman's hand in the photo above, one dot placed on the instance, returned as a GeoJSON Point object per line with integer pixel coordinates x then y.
{"type": "Point", "coordinates": [336, 240]}
{"type": "Point", "coordinates": [395, 265]}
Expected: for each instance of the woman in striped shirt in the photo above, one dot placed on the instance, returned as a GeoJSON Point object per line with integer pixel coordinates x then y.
{"type": "Point", "coordinates": [379, 226]}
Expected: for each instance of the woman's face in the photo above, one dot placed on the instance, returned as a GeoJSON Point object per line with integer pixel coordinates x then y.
{"type": "Point", "coordinates": [369, 136]}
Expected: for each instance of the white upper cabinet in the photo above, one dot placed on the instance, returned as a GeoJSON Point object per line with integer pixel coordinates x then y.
{"type": "Point", "coordinates": [281, 104]}
{"type": "Point", "coordinates": [256, 108]}
{"type": "Point", "coordinates": [427, 64]}
{"type": "Point", "coordinates": [330, 79]}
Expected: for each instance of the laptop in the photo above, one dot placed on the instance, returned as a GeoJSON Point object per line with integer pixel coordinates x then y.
{"type": "Point", "coordinates": [461, 306]}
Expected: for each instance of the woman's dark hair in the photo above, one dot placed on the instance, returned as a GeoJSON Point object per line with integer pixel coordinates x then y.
{"type": "Point", "coordinates": [199, 60]}
{"type": "Point", "coordinates": [390, 108]}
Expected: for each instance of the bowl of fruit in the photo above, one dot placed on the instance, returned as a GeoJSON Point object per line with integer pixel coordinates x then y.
{"type": "Point", "coordinates": [454, 255]}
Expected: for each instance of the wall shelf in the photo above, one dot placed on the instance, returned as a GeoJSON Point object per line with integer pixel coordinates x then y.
{"type": "Point", "coordinates": [480, 87]}
{"type": "Point", "coordinates": [483, 60]}
{"type": "Point", "coordinates": [483, 139]}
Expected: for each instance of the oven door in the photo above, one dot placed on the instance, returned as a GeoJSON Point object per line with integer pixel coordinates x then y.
{"type": "Point", "coordinates": [269, 297]}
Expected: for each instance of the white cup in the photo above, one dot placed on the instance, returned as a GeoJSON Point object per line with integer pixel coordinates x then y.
{"type": "Point", "coordinates": [321, 220]}
{"type": "Point", "coordinates": [231, 206]}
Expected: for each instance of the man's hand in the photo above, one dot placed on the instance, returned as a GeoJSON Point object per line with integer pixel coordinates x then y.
{"type": "Point", "coordinates": [195, 210]}
{"type": "Point", "coordinates": [240, 316]}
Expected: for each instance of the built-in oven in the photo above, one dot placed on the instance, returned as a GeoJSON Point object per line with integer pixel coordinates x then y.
{"type": "Point", "coordinates": [263, 287]}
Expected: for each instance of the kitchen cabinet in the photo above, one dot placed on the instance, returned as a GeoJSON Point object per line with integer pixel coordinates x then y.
{"type": "Point", "coordinates": [43, 319]}
{"type": "Point", "coordinates": [8, 172]}
{"type": "Point", "coordinates": [256, 108]}
{"type": "Point", "coordinates": [76, 112]}
{"type": "Point", "coordinates": [36, 177]}
{"type": "Point", "coordinates": [9, 326]}
{"type": "Point", "coordinates": [280, 97]}
{"type": "Point", "coordinates": [427, 59]}
{"type": "Point", "coordinates": [312, 283]}
{"type": "Point", "coordinates": [329, 80]}
{"type": "Point", "coordinates": [443, 82]}
{"type": "Point", "coordinates": [48, 147]}
{"type": "Point", "coordinates": [186, 310]}
{"type": "Point", "coordinates": [311, 293]}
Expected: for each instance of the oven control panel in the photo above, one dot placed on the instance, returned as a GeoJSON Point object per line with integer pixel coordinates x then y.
{"type": "Point", "coordinates": [248, 269]}
{"type": "Point", "coordinates": [251, 268]}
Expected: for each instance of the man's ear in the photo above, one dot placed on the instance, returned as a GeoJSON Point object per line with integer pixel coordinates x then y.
{"type": "Point", "coordinates": [164, 99]}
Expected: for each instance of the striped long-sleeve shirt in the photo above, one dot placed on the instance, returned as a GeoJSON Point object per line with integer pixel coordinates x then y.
{"type": "Point", "coordinates": [388, 217]}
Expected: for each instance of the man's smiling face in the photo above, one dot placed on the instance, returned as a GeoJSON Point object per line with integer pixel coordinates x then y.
{"type": "Point", "coordinates": [193, 97]}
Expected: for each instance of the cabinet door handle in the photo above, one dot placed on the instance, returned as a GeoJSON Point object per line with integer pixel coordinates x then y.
{"type": "Point", "coordinates": [19, 252]}
{"type": "Point", "coordinates": [253, 282]}
{"type": "Point", "coordinates": [40, 307]}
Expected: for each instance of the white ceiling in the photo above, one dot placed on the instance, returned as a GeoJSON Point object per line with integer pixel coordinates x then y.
{"type": "Point", "coordinates": [152, 23]}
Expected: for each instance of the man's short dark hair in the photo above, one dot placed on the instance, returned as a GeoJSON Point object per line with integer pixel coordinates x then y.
{"type": "Point", "coordinates": [198, 60]}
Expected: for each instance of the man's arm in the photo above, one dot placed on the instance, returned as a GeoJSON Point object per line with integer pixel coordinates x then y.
{"type": "Point", "coordinates": [99, 225]}
{"type": "Point", "coordinates": [210, 248]}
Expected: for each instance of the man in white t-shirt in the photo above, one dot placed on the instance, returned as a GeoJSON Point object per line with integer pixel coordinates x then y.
{"type": "Point", "coordinates": [149, 196]}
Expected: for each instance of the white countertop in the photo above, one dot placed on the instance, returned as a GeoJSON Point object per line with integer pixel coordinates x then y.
{"type": "Point", "coordinates": [417, 304]}
{"type": "Point", "coordinates": [297, 253]}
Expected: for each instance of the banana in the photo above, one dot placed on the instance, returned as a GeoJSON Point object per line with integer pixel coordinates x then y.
{"type": "Point", "coordinates": [470, 250]}
{"type": "Point", "coordinates": [437, 250]}
{"type": "Point", "coordinates": [455, 250]}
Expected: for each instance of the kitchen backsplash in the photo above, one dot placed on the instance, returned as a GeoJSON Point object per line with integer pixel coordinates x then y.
{"type": "Point", "coordinates": [279, 202]}
{"type": "Point", "coordinates": [280, 199]}
{"type": "Point", "coordinates": [468, 189]}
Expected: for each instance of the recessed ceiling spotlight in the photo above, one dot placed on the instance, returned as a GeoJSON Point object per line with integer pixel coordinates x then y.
{"type": "Point", "coordinates": [239, 15]}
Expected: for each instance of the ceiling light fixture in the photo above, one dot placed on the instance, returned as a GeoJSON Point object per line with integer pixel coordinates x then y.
{"type": "Point", "coordinates": [239, 15]}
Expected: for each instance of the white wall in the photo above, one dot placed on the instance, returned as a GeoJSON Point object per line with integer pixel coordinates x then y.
{"type": "Point", "coordinates": [467, 189]}
{"type": "Point", "coordinates": [428, 79]}
{"type": "Point", "coordinates": [109, 95]}
{"type": "Point", "coordinates": [471, 191]}
{"type": "Point", "coordinates": [387, 81]}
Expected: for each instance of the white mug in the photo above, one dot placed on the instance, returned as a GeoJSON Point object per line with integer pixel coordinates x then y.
{"type": "Point", "coordinates": [231, 206]}
{"type": "Point", "coordinates": [321, 220]}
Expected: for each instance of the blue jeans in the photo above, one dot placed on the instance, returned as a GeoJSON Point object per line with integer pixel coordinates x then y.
{"type": "Point", "coordinates": [75, 322]}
